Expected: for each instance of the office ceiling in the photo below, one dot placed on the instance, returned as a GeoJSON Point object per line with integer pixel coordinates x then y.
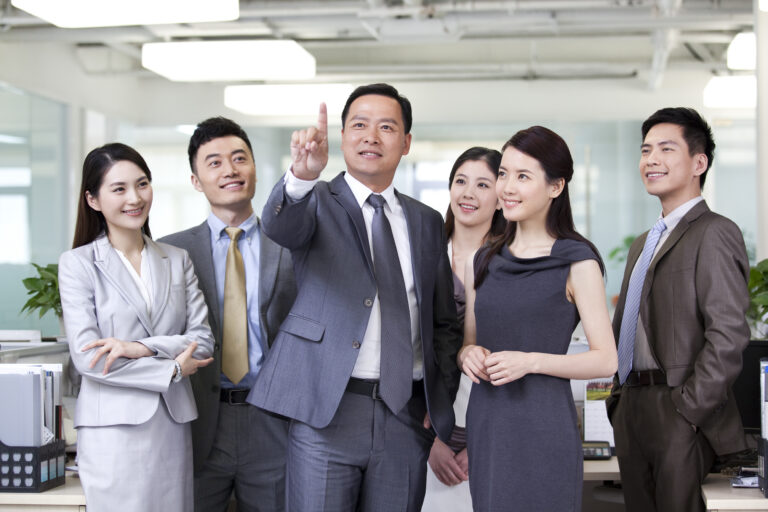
{"type": "Point", "coordinates": [443, 40]}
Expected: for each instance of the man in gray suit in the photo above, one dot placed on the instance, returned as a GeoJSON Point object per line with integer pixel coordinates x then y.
{"type": "Point", "coordinates": [671, 405]}
{"type": "Point", "coordinates": [361, 357]}
{"type": "Point", "coordinates": [237, 447]}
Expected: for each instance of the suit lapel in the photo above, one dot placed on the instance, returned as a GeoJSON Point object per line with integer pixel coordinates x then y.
{"type": "Point", "coordinates": [415, 225]}
{"type": "Point", "coordinates": [160, 270]}
{"type": "Point", "coordinates": [201, 252]}
{"type": "Point", "coordinates": [669, 243]}
{"type": "Point", "coordinates": [342, 193]}
{"type": "Point", "coordinates": [108, 262]}
{"type": "Point", "coordinates": [269, 262]}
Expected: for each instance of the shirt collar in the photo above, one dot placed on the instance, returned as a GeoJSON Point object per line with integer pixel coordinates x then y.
{"type": "Point", "coordinates": [249, 226]}
{"type": "Point", "coordinates": [361, 192]}
{"type": "Point", "coordinates": [673, 217]}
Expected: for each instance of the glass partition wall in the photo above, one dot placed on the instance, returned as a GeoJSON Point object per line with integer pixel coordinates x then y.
{"type": "Point", "coordinates": [37, 186]}
{"type": "Point", "coordinates": [34, 199]}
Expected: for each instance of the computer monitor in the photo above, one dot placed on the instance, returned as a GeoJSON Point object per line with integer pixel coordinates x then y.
{"type": "Point", "coordinates": [747, 385]}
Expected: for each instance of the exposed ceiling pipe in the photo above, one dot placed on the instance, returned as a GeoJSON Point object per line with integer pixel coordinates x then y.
{"type": "Point", "coordinates": [664, 41]}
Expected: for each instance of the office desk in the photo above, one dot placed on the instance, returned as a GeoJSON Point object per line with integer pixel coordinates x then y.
{"type": "Point", "coordinates": [65, 498]}
{"type": "Point", "coordinates": [719, 495]}
{"type": "Point", "coordinates": [602, 469]}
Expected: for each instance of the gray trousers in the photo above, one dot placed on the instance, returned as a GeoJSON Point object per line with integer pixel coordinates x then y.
{"type": "Point", "coordinates": [247, 457]}
{"type": "Point", "coordinates": [367, 459]}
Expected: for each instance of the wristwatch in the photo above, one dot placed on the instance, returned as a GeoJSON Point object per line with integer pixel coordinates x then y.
{"type": "Point", "coordinates": [177, 376]}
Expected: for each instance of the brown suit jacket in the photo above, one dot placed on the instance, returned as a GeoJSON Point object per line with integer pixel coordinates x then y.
{"type": "Point", "coordinates": [693, 310]}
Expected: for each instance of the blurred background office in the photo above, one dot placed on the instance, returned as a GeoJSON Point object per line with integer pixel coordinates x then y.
{"type": "Point", "coordinates": [476, 71]}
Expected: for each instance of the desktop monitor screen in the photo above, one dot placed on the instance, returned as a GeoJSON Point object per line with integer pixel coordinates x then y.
{"type": "Point", "coordinates": [747, 385]}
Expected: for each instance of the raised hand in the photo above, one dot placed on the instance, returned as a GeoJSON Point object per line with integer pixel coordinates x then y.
{"type": "Point", "coordinates": [309, 148]}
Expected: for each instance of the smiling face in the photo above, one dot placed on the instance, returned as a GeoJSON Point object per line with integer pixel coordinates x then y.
{"type": "Point", "coordinates": [373, 140]}
{"type": "Point", "coordinates": [124, 198]}
{"type": "Point", "coordinates": [473, 194]}
{"type": "Point", "coordinates": [667, 168]}
{"type": "Point", "coordinates": [226, 174]}
{"type": "Point", "coordinates": [523, 189]}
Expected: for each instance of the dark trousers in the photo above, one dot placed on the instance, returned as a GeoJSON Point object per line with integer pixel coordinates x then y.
{"type": "Point", "coordinates": [662, 460]}
{"type": "Point", "coordinates": [367, 459]}
{"type": "Point", "coordinates": [247, 457]}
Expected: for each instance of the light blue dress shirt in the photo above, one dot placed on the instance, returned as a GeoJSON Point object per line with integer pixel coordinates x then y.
{"type": "Point", "coordinates": [249, 245]}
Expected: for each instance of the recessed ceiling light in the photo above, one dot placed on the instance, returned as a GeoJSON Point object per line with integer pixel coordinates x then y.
{"type": "Point", "coordinates": [110, 13]}
{"type": "Point", "coordinates": [287, 99]}
{"type": "Point", "coordinates": [731, 92]}
{"type": "Point", "coordinates": [742, 52]}
{"type": "Point", "coordinates": [227, 61]}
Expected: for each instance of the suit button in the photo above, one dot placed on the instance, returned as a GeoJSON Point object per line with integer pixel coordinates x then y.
{"type": "Point", "coordinates": [368, 302]}
{"type": "Point", "coordinates": [356, 344]}
{"type": "Point", "coordinates": [278, 208]}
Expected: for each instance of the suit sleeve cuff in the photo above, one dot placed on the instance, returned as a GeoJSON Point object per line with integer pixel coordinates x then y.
{"type": "Point", "coordinates": [295, 188]}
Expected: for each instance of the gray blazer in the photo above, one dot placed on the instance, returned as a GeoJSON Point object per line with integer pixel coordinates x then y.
{"type": "Point", "coordinates": [100, 300]}
{"type": "Point", "coordinates": [693, 308]}
{"type": "Point", "coordinates": [277, 291]}
{"type": "Point", "coordinates": [307, 369]}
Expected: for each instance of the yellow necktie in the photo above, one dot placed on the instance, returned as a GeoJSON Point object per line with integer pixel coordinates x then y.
{"type": "Point", "coordinates": [234, 362]}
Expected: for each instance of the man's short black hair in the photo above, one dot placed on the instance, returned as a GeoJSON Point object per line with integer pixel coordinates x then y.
{"type": "Point", "coordinates": [696, 132]}
{"type": "Point", "coordinates": [381, 90]}
{"type": "Point", "coordinates": [214, 128]}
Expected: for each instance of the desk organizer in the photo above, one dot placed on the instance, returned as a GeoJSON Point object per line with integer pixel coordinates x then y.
{"type": "Point", "coordinates": [33, 468]}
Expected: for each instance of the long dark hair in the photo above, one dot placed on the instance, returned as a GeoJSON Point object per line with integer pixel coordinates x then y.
{"type": "Point", "coordinates": [91, 223]}
{"type": "Point", "coordinates": [492, 159]}
{"type": "Point", "coordinates": [552, 153]}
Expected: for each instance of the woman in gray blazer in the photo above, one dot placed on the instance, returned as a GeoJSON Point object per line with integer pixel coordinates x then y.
{"type": "Point", "coordinates": [137, 326]}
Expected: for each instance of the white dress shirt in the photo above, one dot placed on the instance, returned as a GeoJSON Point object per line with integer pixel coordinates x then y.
{"type": "Point", "coordinates": [143, 281]}
{"type": "Point", "coordinates": [368, 365]}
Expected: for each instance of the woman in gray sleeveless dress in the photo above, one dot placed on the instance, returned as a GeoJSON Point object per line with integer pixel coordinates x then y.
{"type": "Point", "coordinates": [526, 292]}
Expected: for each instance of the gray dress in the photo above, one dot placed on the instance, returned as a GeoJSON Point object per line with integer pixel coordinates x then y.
{"type": "Point", "coordinates": [524, 445]}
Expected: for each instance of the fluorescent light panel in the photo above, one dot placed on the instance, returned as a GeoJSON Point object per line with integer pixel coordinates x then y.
{"type": "Point", "coordinates": [286, 100]}
{"type": "Point", "coordinates": [227, 61]}
{"type": "Point", "coordinates": [763, 5]}
{"type": "Point", "coordinates": [731, 92]}
{"type": "Point", "coordinates": [110, 13]}
{"type": "Point", "coordinates": [742, 52]}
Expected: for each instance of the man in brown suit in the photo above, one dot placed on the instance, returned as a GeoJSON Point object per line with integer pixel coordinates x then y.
{"type": "Point", "coordinates": [671, 405]}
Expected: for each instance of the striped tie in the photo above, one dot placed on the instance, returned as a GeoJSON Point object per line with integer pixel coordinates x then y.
{"type": "Point", "coordinates": [632, 304]}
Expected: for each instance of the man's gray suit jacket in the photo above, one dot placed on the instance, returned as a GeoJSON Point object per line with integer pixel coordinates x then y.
{"type": "Point", "coordinates": [307, 369]}
{"type": "Point", "coordinates": [277, 290]}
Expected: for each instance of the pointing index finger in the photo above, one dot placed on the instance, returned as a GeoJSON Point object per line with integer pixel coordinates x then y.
{"type": "Point", "coordinates": [322, 120]}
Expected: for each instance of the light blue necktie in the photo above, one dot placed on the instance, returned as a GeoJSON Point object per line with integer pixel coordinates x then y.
{"type": "Point", "coordinates": [632, 303]}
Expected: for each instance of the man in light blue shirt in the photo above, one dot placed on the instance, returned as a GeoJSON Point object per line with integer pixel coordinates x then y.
{"type": "Point", "coordinates": [237, 447]}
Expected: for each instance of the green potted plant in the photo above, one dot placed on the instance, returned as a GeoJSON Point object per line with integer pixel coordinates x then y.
{"type": "Point", "coordinates": [757, 314]}
{"type": "Point", "coordinates": [618, 255]}
{"type": "Point", "coordinates": [44, 291]}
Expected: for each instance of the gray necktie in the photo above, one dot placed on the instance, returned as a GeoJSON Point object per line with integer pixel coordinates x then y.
{"type": "Point", "coordinates": [396, 349]}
